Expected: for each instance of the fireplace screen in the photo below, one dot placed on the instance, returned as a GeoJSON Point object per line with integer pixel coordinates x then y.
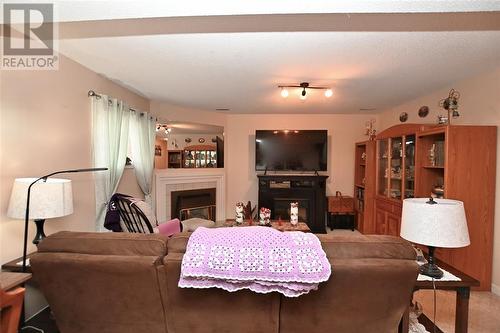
{"type": "Point", "coordinates": [198, 203]}
{"type": "Point", "coordinates": [204, 212]}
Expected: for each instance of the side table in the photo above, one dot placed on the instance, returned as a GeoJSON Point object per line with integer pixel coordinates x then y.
{"type": "Point", "coordinates": [16, 265]}
{"type": "Point", "coordinates": [462, 289]}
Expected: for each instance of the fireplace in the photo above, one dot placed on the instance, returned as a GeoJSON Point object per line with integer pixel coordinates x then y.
{"type": "Point", "coordinates": [281, 208]}
{"type": "Point", "coordinates": [277, 191]}
{"type": "Point", "coordinates": [194, 203]}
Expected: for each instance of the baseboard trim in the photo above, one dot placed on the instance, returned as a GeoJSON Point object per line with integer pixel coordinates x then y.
{"type": "Point", "coordinates": [495, 289]}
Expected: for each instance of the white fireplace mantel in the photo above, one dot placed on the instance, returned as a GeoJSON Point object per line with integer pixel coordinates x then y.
{"type": "Point", "coordinates": [168, 180]}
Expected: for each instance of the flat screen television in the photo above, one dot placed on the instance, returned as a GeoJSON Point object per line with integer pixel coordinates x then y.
{"type": "Point", "coordinates": [291, 150]}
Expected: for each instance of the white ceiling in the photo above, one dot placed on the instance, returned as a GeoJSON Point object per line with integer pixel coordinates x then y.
{"type": "Point", "coordinates": [183, 53]}
{"type": "Point", "coordinates": [240, 71]}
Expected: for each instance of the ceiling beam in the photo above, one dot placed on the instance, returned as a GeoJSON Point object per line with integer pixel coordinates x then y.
{"type": "Point", "coordinates": [397, 22]}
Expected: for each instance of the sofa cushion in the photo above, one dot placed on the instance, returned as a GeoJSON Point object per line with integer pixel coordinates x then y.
{"type": "Point", "coordinates": [354, 246]}
{"type": "Point", "coordinates": [359, 246]}
{"type": "Point", "coordinates": [105, 243]}
{"type": "Point", "coordinates": [178, 242]}
{"type": "Point", "coordinates": [194, 223]}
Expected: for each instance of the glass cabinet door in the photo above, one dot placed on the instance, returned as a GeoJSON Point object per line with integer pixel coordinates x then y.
{"type": "Point", "coordinates": [383, 171]}
{"type": "Point", "coordinates": [396, 169]}
{"type": "Point", "coordinates": [409, 173]}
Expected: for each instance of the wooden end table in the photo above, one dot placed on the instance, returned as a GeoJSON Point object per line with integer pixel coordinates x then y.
{"type": "Point", "coordinates": [462, 289]}
{"type": "Point", "coordinates": [283, 226]}
{"type": "Point", "coordinates": [9, 280]}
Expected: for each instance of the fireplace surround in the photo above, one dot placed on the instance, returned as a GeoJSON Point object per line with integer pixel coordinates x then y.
{"type": "Point", "coordinates": [171, 180]}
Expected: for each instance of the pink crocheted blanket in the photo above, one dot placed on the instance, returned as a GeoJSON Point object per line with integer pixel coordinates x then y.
{"type": "Point", "coordinates": [261, 259]}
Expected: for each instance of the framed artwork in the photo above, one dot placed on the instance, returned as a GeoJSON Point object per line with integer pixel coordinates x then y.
{"type": "Point", "coordinates": [157, 150]}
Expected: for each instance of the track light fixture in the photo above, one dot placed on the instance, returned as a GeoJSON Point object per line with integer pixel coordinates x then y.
{"type": "Point", "coordinates": [303, 94]}
{"type": "Point", "coordinates": [164, 128]}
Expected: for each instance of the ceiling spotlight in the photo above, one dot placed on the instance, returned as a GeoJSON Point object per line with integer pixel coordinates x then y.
{"type": "Point", "coordinates": [284, 92]}
{"type": "Point", "coordinates": [328, 92]}
{"type": "Point", "coordinates": [303, 95]}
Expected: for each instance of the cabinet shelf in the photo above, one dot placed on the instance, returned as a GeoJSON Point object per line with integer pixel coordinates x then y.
{"type": "Point", "coordinates": [364, 185]}
{"type": "Point", "coordinates": [433, 167]}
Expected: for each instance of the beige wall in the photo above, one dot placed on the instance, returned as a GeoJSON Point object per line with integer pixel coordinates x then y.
{"type": "Point", "coordinates": [479, 104]}
{"type": "Point", "coordinates": [343, 132]}
{"type": "Point", "coordinates": [46, 126]}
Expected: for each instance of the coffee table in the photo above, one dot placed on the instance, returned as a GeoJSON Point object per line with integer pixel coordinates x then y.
{"type": "Point", "coordinates": [276, 224]}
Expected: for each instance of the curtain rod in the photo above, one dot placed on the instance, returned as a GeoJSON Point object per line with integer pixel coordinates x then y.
{"type": "Point", "coordinates": [93, 93]}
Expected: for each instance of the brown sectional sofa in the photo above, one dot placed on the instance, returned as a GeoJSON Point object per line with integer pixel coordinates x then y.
{"type": "Point", "coordinates": [117, 282]}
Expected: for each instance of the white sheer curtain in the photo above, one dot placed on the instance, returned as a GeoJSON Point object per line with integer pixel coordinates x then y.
{"type": "Point", "coordinates": [110, 133]}
{"type": "Point", "coordinates": [142, 141]}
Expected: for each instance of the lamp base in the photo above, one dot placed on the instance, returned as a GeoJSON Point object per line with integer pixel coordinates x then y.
{"type": "Point", "coordinates": [431, 270]}
{"type": "Point", "coordinates": [39, 231]}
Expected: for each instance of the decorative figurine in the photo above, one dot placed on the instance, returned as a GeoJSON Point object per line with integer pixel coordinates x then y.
{"type": "Point", "coordinates": [248, 211]}
{"type": "Point", "coordinates": [294, 213]}
{"type": "Point", "coordinates": [239, 213]}
{"type": "Point", "coordinates": [369, 130]}
{"type": "Point", "coordinates": [264, 216]}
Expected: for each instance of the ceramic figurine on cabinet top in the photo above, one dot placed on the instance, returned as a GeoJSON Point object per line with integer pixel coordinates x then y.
{"type": "Point", "coordinates": [264, 216]}
{"type": "Point", "coordinates": [294, 213]}
{"type": "Point", "coordinates": [239, 212]}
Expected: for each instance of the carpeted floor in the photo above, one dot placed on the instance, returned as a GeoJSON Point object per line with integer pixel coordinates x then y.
{"type": "Point", "coordinates": [484, 310]}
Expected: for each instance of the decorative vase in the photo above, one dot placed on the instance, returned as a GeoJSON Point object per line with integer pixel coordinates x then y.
{"type": "Point", "coordinates": [264, 216]}
{"type": "Point", "coordinates": [239, 212]}
{"type": "Point", "coordinates": [294, 213]}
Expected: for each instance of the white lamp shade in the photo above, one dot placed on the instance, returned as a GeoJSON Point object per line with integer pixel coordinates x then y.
{"type": "Point", "coordinates": [440, 225]}
{"type": "Point", "coordinates": [52, 198]}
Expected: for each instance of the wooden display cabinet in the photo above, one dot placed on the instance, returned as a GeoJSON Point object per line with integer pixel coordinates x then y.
{"type": "Point", "coordinates": [395, 173]}
{"type": "Point", "coordinates": [200, 156]}
{"type": "Point", "coordinates": [174, 158]}
{"type": "Point", "coordinates": [454, 162]}
{"type": "Point", "coordinates": [364, 185]}
{"type": "Point", "coordinates": [461, 162]}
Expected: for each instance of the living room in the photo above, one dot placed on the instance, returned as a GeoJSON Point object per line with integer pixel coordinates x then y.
{"type": "Point", "coordinates": [211, 76]}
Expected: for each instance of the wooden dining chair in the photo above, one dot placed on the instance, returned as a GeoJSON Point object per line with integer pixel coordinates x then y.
{"type": "Point", "coordinates": [132, 217]}
{"type": "Point", "coordinates": [11, 303]}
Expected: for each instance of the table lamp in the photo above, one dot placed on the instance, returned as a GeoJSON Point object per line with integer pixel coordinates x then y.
{"type": "Point", "coordinates": [41, 198]}
{"type": "Point", "coordinates": [434, 223]}
{"type": "Point", "coordinates": [49, 199]}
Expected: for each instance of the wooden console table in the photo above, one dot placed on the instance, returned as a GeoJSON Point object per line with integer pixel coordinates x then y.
{"type": "Point", "coordinates": [462, 289]}
{"type": "Point", "coordinates": [283, 226]}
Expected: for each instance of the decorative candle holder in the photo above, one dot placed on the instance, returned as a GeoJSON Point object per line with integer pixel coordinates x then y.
{"type": "Point", "coordinates": [265, 216]}
{"type": "Point", "coordinates": [294, 213]}
{"type": "Point", "coordinates": [239, 212]}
